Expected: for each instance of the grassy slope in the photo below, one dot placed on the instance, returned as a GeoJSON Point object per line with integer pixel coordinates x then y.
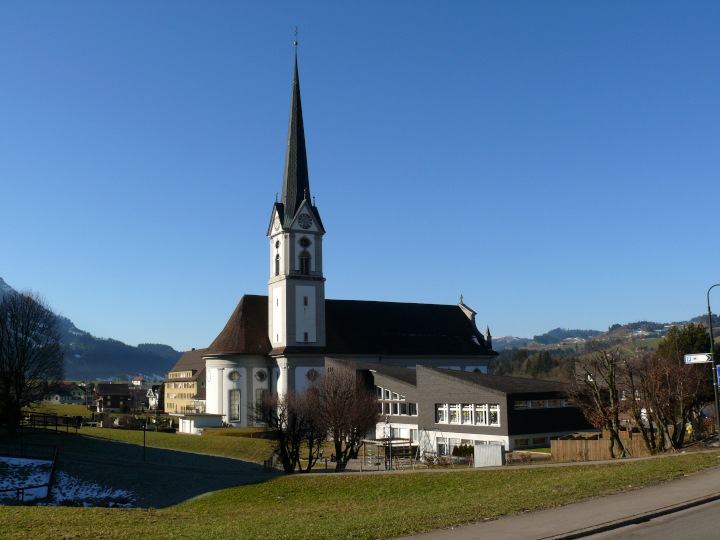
{"type": "Point", "coordinates": [255, 450]}
{"type": "Point", "coordinates": [352, 506]}
{"type": "Point", "coordinates": [217, 442]}
{"type": "Point", "coordinates": [61, 409]}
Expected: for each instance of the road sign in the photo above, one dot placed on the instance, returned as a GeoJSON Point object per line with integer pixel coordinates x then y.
{"type": "Point", "coordinates": [698, 358]}
{"type": "Point", "coordinates": [718, 374]}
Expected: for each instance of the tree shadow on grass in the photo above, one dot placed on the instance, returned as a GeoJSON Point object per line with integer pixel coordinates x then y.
{"type": "Point", "coordinates": [156, 477]}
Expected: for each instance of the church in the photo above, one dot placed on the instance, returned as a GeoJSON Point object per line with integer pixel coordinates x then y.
{"type": "Point", "coordinates": [280, 343]}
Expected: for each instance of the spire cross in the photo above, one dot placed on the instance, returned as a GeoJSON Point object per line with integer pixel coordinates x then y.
{"type": "Point", "coordinates": [461, 298]}
{"type": "Point", "coordinates": [296, 34]}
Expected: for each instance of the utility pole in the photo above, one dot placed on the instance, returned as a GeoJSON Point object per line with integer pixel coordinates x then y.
{"type": "Point", "coordinates": [714, 363]}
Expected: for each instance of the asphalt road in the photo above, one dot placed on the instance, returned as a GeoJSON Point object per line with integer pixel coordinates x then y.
{"type": "Point", "coordinates": [698, 523]}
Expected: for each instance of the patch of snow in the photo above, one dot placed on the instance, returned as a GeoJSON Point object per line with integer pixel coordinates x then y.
{"type": "Point", "coordinates": [67, 490]}
{"type": "Point", "coordinates": [18, 473]}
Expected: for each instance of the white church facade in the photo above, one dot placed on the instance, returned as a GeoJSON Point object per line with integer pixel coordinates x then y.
{"type": "Point", "coordinates": [279, 343]}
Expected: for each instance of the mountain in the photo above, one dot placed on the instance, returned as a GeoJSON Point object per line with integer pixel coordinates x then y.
{"type": "Point", "coordinates": [509, 342]}
{"type": "Point", "coordinates": [550, 355]}
{"type": "Point", "coordinates": [4, 288]}
{"type": "Point", "coordinates": [91, 358]}
{"type": "Point", "coordinates": [559, 334]}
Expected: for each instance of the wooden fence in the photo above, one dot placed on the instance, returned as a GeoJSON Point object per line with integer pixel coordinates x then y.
{"type": "Point", "coordinates": [51, 421]}
{"type": "Point", "coordinates": [593, 449]}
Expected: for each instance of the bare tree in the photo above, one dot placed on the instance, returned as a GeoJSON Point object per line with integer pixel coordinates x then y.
{"type": "Point", "coordinates": [642, 384]}
{"type": "Point", "coordinates": [681, 391]}
{"type": "Point", "coordinates": [348, 410]}
{"type": "Point", "coordinates": [31, 355]}
{"type": "Point", "coordinates": [339, 405]}
{"type": "Point", "coordinates": [292, 420]}
{"type": "Point", "coordinates": [595, 389]}
{"type": "Point", "coordinates": [656, 390]}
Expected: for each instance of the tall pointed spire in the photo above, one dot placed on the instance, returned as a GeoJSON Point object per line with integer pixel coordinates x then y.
{"type": "Point", "coordinates": [296, 182]}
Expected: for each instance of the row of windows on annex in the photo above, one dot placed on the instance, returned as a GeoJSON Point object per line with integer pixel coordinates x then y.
{"type": "Point", "coordinates": [467, 414]}
{"type": "Point", "coordinates": [531, 442]}
{"type": "Point", "coordinates": [445, 445]}
{"type": "Point", "coordinates": [394, 404]}
{"type": "Point", "coordinates": [522, 405]}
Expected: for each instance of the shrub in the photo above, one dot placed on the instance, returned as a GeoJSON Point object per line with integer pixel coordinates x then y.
{"type": "Point", "coordinates": [463, 450]}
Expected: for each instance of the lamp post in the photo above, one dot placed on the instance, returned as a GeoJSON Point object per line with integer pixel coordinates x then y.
{"type": "Point", "coordinates": [389, 426]}
{"type": "Point", "coordinates": [714, 363]}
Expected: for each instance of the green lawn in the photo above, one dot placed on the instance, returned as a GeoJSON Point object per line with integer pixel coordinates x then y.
{"type": "Point", "coordinates": [353, 506]}
{"type": "Point", "coordinates": [249, 449]}
{"type": "Point", "coordinates": [63, 409]}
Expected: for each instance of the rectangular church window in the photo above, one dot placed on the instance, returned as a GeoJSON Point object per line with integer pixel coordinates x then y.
{"type": "Point", "coordinates": [234, 405]}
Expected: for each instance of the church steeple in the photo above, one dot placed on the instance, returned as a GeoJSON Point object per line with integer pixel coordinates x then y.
{"type": "Point", "coordinates": [296, 288]}
{"type": "Point", "coordinates": [296, 181]}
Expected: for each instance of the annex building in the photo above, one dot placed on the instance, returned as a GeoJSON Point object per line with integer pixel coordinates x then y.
{"type": "Point", "coordinates": [435, 410]}
{"type": "Point", "coordinates": [279, 343]}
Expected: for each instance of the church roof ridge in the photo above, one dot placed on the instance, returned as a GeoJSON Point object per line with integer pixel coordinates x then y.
{"type": "Point", "coordinates": [360, 327]}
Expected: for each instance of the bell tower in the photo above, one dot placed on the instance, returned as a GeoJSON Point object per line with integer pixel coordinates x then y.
{"type": "Point", "coordinates": [296, 288]}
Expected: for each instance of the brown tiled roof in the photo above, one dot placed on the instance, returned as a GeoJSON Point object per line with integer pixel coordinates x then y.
{"type": "Point", "coordinates": [190, 361]}
{"type": "Point", "coordinates": [246, 331]}
{"type": "Point", "coordinates": [362, 327]}
{"type": "Point", "coordinates": [113, 389]}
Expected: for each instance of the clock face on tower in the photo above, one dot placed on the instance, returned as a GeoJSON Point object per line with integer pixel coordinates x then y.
{"type": "Point", "coordinates": [305, 221]}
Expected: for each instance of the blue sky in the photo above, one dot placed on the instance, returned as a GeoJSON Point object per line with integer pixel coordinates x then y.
{"type": "Point", "coordinates": [556, 163]}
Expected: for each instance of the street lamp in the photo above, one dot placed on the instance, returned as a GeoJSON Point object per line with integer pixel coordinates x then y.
{"type": "Point", "coordinates": [714, 364]}
{"type": "Point", "coordinates": [389, 425]}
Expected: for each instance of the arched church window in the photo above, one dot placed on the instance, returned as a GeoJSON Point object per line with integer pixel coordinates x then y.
{"type": "Point", "coordinates": [277, 265]}
{"type": "Point", "coordinates": [305, 263]}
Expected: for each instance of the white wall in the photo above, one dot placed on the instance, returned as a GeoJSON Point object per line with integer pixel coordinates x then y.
{"type": "Point", "coordinates": [305, 316]}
